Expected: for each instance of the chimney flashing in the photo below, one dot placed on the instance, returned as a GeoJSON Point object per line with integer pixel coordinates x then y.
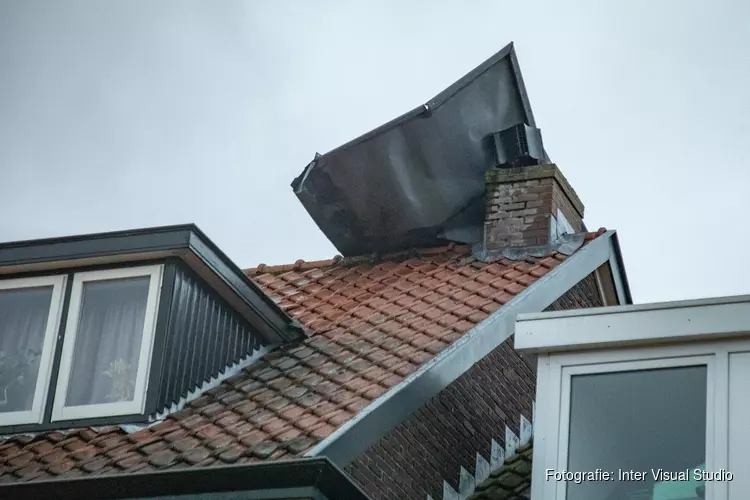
{"type": "Point", "coordinates": [567, 244]}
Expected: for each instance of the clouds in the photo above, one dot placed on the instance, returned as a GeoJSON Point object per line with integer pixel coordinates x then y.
{"type": "Point", "coordinates": [116, 115]}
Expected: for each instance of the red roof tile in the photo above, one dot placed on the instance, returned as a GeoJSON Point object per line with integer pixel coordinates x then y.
{"type": "Point", "coordinates": [370, 325]}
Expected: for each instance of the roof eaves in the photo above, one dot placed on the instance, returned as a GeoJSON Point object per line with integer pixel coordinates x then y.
{"type": "Point", "coordinates": [273, 479]}
{"type": "Point", "coordinates": [287, 328]}
{"type": "Point", "coordinates": [184, 241]}
{"type": "Point", "coordinates": [618, 269]}
{"type": "Point", "coordinates": [391, 408]}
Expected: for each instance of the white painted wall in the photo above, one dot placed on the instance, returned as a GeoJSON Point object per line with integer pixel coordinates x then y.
{"type": "Point", "coordinates": [739, 425]}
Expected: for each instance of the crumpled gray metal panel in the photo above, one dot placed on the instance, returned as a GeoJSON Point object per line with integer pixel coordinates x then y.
{"type": "Point", "coordinates": [409, 182]}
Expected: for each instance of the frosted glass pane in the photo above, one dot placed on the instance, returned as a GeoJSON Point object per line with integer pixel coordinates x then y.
{"type": "Point", "coordinates": [23, 322]}
{"type": "Point", "coordinates": [640, 421]}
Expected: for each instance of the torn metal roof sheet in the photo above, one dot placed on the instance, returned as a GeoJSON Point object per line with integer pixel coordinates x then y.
{"type": "Point", "coordinates": [418, 180]}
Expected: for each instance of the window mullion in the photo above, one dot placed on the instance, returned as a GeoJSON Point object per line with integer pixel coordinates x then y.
{"type": "Point", "coordinates": [720, 449]}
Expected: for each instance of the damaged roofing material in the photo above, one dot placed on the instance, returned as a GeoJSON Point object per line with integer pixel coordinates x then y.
{"type": "Point", "coordinates": [420, 176]}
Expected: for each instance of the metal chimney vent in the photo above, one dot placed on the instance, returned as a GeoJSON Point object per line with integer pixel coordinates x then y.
{"type": "Point", "coordinates": [519, 146]}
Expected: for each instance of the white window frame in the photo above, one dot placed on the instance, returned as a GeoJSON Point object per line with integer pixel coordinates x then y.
{"type": "Point", "coordinates": [553, 402]}
{"type": "Point", "coordinates": [59, 410]}
{"type": "Point", "coordinates": [41, 389]}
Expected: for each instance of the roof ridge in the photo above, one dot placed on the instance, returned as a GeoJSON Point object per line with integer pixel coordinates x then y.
{"type": "Point", "coordinates": [594, 234]}
{"type": "Point", "coordinates": [299, 265]}
{"type": "Point", "coordinates": [302, 265]}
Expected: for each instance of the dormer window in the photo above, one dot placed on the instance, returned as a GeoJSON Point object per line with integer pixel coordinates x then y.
{"type": "Point", "coordinates": [29, 318]}
{"type": "Point", "coordinates": [643, 420]}
{"type": "Point", "coordinates": [109, 337]}
{"type": "Point", "coordinates": [643, 402]}
{"type": "Point", "coordinates": [123, 327]}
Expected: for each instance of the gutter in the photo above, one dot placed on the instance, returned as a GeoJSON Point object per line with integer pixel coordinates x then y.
{"type": "Point", "coordinates": [313, 478]}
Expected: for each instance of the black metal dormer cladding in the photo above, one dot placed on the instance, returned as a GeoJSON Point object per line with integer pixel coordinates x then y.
{"type": "Point", "coordinates": [203, 337]}
{"type": "Point", "coordinates": [114, 328]}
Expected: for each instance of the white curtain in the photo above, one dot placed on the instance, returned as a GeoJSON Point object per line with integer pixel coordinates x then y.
{"type": "Point", "coordinates": [108, 341]}
{"type": "Point", "coordinates": [23, 320]}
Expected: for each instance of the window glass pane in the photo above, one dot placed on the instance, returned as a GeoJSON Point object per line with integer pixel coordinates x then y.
{"type": "Point", "coordinates": [23, 321]}
{"type": "Point", "coordinates": [108, 341]}
{"type": "Point", "coordinates": [639, 421]}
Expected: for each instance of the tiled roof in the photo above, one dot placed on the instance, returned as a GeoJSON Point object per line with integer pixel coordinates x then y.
{"type": "Point", "coordinates": [509, 482]}
{"type": "Point", "coordinates": [370, 325]}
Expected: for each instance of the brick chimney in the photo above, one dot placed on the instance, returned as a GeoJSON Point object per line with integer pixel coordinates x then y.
{"type": "Point", "coordinates": [529, 206]}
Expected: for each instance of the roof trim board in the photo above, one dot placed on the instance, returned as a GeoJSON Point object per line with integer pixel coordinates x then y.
{"type": "Point", "coordinates": [390, 409]}
{"type": "Point", "coordinates": [185, 241]}
{"type": "Point", "coordinates": [619, 276]}
{"type": "Point", "coordinates": [680, 321]}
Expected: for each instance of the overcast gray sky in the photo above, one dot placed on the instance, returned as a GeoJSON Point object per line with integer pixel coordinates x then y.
{"type": "Point", "coordinates": [124, 114]}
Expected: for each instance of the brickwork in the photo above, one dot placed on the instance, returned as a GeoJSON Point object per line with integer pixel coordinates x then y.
{"type": "Point", "coordinates": [582, 296]}
{"type": "Point", "coordinates": [520, 202]}
{"type": "Point", "coordinates": [444, 435]}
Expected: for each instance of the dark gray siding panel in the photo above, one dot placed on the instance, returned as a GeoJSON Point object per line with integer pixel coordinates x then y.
{"type": "Point", "coordinates": [203, 337]}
